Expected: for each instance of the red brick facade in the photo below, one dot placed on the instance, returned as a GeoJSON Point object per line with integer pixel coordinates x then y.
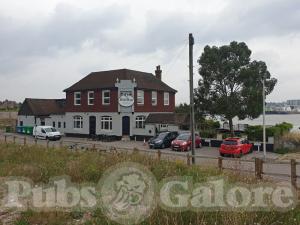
{"type": "Point", "coordinates": [113, 107]}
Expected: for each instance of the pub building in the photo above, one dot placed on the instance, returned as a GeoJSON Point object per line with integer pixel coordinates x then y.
{"type": "Point", "coordinates": [118, 103]}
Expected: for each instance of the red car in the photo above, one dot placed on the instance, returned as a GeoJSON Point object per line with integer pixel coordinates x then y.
{"type": "Point", "coordinates": [183, 142]}
{"type": "Point", "coordinates": [236, 147]}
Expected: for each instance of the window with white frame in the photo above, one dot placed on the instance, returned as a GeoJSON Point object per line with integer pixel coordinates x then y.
{"type": "Point", "coordinates": [91, 97]}
{"type": "Point", "coordinates": [105, 97]}
{"type": "Point", "coordinates": [154, 98]}
{"type": "Point", "coordinates": [166, 98]}
{"type": "Point", "coordinates": [78, 122]}
{"type": "Point", "coordinates": [140, 97]}
{"type": "Point", "coordinates": [77, 98]}
{"type": "Point", "coordinates": [163, 126]}
{"type": "Point", "coordinates": [106, 123]}
{"type": "Point", "coordinates": [140, 121]}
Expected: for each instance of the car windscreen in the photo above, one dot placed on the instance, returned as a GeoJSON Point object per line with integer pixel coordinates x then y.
{"type": "Point", "coordinates": [162, 135]}
{"type": "Point", "coordinates": [50, 129]}
{"type": "Point", "coordinates": [230, 142]}
{"type": "Point", "coordinates": [183, 137]}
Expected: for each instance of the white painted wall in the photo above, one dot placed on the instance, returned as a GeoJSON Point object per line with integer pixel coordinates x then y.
{"type": "Point", "coordinates": [27, 120]}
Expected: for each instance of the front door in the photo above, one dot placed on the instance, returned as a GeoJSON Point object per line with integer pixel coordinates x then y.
{"type": "Point", "coordinates": [92, 125]}
{"type": "Point", "coordinates": [126, 125]}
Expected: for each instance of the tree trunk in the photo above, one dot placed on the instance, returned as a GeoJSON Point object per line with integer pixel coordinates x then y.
{"type": "Point", "coordinates": [231, 127]}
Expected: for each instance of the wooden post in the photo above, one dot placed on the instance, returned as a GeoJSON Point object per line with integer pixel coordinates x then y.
{"type": "Point", "coordinates": [5, 139]}
{"type": "Point", "coordinates": [158, 154]}
{"type": "Point", "coordinates": [94, 147]}
{"type": "Point", "coordinates": [14, 138]}
{"type": "Point", "coordinates": [293, 173]}
{"type": "Point", "coordinates": [258, 168]}
{"type": "Point", "coordinates": [220, 163]}
{"type": "Point", "coordinates": [47, 143]}
{"type": "Point", "coordinates": [61, 144]}
{"type": "Point", "coordinates": [188, 159]}
{"type": "Point", "coordinates": [24, 141]}
{"type": "Point", "coordinates": [35, 142]}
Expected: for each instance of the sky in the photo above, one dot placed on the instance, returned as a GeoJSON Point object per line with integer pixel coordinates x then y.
{"type": "Point", "coordinates": [46, 46]}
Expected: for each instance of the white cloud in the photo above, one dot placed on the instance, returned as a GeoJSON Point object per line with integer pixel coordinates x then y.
{"type": "Point", "coordinates": [57, 42]}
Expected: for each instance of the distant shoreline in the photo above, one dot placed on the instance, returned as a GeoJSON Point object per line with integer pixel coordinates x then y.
{"type": "Point", "coordinates": [280, 113]}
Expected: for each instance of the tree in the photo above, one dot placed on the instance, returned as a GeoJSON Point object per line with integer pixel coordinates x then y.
{"type": "Point", "coordinates": [231, 84]}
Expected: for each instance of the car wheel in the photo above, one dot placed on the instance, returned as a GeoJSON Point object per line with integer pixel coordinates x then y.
{"type": "Point", "coordinates": [221, 154]}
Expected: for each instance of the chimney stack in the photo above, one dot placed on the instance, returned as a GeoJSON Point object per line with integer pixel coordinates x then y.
{"type": "Point", "coordinates": [158, 72]}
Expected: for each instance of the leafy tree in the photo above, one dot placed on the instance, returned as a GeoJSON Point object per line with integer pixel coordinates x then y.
{"type": "Point", "coordinates": [182, 108]}
{"type": "Point", "coordinates": [230, 83]}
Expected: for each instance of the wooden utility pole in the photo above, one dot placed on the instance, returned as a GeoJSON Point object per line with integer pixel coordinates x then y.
{"type": "Point", "coordinates": [192, 123]}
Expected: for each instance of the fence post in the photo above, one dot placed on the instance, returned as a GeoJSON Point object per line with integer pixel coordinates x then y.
{"type": "Point", "coordinates": [258, 168]}
{"type": "Point", "coordinates": [5, 139]}
{"type": "Point", "coordinates": [158, 154]}
{"type": "Point", "coordinates": [47, 143]}
{"type": "Point", "coordinates": [14, 139]}
{"type": "Point", "coordinates": [188, 159]}
{"type": "Point", "coordinates": [293, 173]}
{"type": "Point", "coordinates": [24, 141]}
{"type": "Point", "coordinates": [94, 147]}
{"type": "Point", "coordinates": [220, 163]}
{"type": "Point", "coordinates": [61, 144]}
{"type": "Point", "coordinates": [35, 142]}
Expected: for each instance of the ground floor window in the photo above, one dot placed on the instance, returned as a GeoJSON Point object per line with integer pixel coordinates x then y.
{"type": "Point", "coordinates": [78, 122]}
{"type": "Point", "coordinates": [59, 124]}
{"type": "Point", "coordinates": [140, 121]}
{"type": "Point", "coordinates": [106, 123]}
{"type": "Point", "coordinates": [163, 126]}
{"type": "Point", "coordinates": [53, 124]}
{"type": "Point", "coordinates": [21, 123]}
{"type": "Point", "coordinates": [42, 122]}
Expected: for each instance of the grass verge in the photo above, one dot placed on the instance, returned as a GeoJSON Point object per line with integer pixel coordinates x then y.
{"type": "Point", "coordinates": [39, 164]}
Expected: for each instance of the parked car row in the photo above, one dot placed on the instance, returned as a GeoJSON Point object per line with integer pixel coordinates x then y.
{"type": "Point", "coordinates": [182, 142]}
{"type": "Point", "coordinates": [177, 141]}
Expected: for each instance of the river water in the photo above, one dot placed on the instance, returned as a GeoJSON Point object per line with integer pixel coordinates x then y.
{"type": "Point", "coordinates": [273, 119]}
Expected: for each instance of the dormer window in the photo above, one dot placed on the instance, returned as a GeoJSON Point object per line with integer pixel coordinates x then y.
{"type": "Point", "coordinates": [77, 98]}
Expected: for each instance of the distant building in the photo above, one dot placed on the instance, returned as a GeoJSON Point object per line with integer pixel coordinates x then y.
{"type": "Point", "coordinates": [295, 103]}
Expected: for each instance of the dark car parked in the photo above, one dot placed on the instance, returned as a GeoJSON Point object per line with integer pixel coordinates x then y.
{"type": "Point", "coordinates": [163, 140]}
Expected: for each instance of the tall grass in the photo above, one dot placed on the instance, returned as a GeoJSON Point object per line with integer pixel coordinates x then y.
{"type": "Point", "coordinates": [39, 164]}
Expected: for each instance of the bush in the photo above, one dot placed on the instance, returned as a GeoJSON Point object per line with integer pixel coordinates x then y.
{"type": "Point", "coordinates": [292, 138]}
{"type": "Point", "coordinates": [282, 150]}
{"type": "Point", "coordinates": [255, 133]}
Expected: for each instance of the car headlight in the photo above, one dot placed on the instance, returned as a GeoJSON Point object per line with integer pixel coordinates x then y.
{"type": "Point", "coordinates": [184, 143]}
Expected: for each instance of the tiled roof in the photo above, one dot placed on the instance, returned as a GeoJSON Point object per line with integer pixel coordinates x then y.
{"type": "Point", "coordinates": [107, 79]}
{"type": "Point", "coordinates": [42, 107]}
{"type": "Point", "coordinates": [168, 118]}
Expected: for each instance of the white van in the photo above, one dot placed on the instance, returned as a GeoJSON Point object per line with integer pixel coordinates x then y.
{"type": "Point", "coordinates": [46, 132]}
